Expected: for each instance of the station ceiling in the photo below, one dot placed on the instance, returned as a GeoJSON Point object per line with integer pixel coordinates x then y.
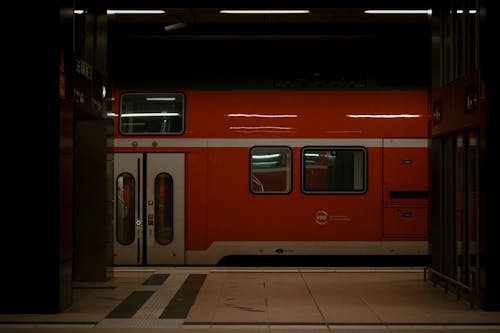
{"type": "Point", "coordinates": [198, 42]}
{"type": "Point", "coordinates": [325, 20]}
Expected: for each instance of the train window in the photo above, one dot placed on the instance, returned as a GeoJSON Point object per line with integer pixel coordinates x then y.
{"type": "Point", "coordinates": [125, 209]}
{"type": "Point", "coordinates": [333, 170]}
{"type": "Point", "coordinates": [164, 208]}
{"type": "Point", "coordinates": [151, 113]}
{"type": "Point", "coordinates": [270, 170]}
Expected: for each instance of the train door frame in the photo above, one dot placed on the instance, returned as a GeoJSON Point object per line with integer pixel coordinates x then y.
{"type": "Point", "coordinates": [147, 246]}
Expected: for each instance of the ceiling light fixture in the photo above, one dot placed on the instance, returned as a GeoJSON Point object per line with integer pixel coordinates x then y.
{"type": "Point", "coordinates": [471, 11]}
{"type": "Point", "coordinates": [175, 26]}
{"type": "Point", "coordinates": [135, 11]}
{"type": "Point", "coordinates": [264, 11]}
{"type": "Point", "coordinates": [398, 11]}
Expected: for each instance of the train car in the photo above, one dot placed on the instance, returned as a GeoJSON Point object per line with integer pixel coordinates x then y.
{"type": "Point", "coordinates": [202, 175]}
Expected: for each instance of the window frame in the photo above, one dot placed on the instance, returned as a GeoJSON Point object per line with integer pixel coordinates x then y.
{"type": "Point", "coordinates": [335, 192]}
{"type": "Point", "coordinates": [289, 171]}
{"type": "Point", "coordinates": [152, 94]}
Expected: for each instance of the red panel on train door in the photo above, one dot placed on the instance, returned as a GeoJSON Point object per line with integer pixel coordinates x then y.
{"type": "Point", "coordinates": [406, 176]}
{"type": "Point", "coordinates": [406, 189]}
{"type": "Point", "coordinates": [405, 221]}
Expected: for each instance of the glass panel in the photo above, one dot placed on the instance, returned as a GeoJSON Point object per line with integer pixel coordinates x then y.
{"type": "Point", "coordinates": [270, 170]}
{"type": "Point", "coordinates": [125, 209]}
{"type": "Point", "coordinates": [472, 38]}
{"type": "Point", "coordinates": [152, 113]}
{"type": "Point", "coordinates": [333, 169]}
{"type": "Point", "coordinates": [459, 41]}
{"type": "Point", "coordinates": [164, 209]}
{"type": "Point", "coordinates": [447, 37]}
{"type": "Point", "coordinates": [473, 206]}
{"type": "Point", "coordinates": [460, 209]}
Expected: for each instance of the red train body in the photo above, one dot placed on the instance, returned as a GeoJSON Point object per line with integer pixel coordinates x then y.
{"type": "Point", "coordinates": [201, 175]}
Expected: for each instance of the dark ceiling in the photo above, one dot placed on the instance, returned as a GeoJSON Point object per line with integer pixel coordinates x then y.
{"type": "Point", "coordinates": [338, 20]}
{"type": "Point", "coordinates": [335, 34]}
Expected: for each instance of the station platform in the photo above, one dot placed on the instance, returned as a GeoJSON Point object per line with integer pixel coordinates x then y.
{"type": "Point", "coordinates": [258, 300]}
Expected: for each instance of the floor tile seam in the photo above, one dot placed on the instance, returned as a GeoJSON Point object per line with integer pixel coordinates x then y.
{"type": "Point", "coordinates": [297, 299]}
{"type": "Point", "coordinates": [316, 304]}
{"type": "Point", "coordinates": [139, 323]}
{"type": "Point", "coordinates": [318, 270]}
{"type": "Point", "coordinates": [341, 324]}
{"type": "Point", "coordinates": [370, 308]}
{"type": "Point", "coordinates": [300, 299]}
{"type": "Point", "coordinates": [248, 323]}
{"type": "Point", "coordinates": [49, 322]}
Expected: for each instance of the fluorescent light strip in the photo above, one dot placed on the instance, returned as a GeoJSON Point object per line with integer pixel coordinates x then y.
{"type": "Point", "coordinates": [150, 114]}
{"type": "Point", "coordinates": [160, 98]}
{"type": "Point", "coordinates": [135, 11]}
{"type": "Point", "coordinates": [125, 11]}
{"type": "Point", "coordinates": [398, 11]}
{"type": "Point", "coordinates": [249, 115]}
{"type": "Point", "coordinates": [264, 11]}
{"type": "Point", "coordinates": [383, 116]}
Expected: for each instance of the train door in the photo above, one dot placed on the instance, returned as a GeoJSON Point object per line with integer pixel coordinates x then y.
{"type": "Point", "coordinates": [149, 209]}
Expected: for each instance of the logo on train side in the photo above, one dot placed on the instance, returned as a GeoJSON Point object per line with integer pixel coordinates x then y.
{"type": "Point", "coordinates": [322, 217]}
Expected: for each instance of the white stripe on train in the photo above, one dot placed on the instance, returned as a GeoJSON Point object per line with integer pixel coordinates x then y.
{"type": "Point", "coordinates": [250, 142]}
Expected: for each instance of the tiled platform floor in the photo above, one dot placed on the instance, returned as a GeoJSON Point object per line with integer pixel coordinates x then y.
{"type": "Point", "coordinates": [255, 300]}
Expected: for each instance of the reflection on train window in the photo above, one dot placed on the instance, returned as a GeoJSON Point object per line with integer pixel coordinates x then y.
{"type": "Point", "coordinates": [164, 208]}
{"type": "Point", "coordinates": [152, 113]}
{"type": "Point", "coordinates": [270, 170]}
{"type": "Point", "coordinates": [333, 170]}
{"type": "Point", "coordinates": [125, 209]}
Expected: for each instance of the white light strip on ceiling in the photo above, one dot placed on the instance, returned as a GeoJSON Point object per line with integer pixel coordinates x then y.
{"type": "Point", "coordinates": [398, 11]}
{"type": "Point", "coordinates": [125, 11]}
{"type": "Point", "coordinates": [264, 11]}
{"type": "Point", "coordinates": [470, 11]}
{"type": "Point", "coordinates": [135, 11]}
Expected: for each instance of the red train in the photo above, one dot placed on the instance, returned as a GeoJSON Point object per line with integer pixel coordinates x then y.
{"type": "Point", "coordinates": [203, 175]}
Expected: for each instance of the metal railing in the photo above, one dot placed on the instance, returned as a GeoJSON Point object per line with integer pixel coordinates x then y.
{"type": "Point", "coordinates": [459, 286]}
